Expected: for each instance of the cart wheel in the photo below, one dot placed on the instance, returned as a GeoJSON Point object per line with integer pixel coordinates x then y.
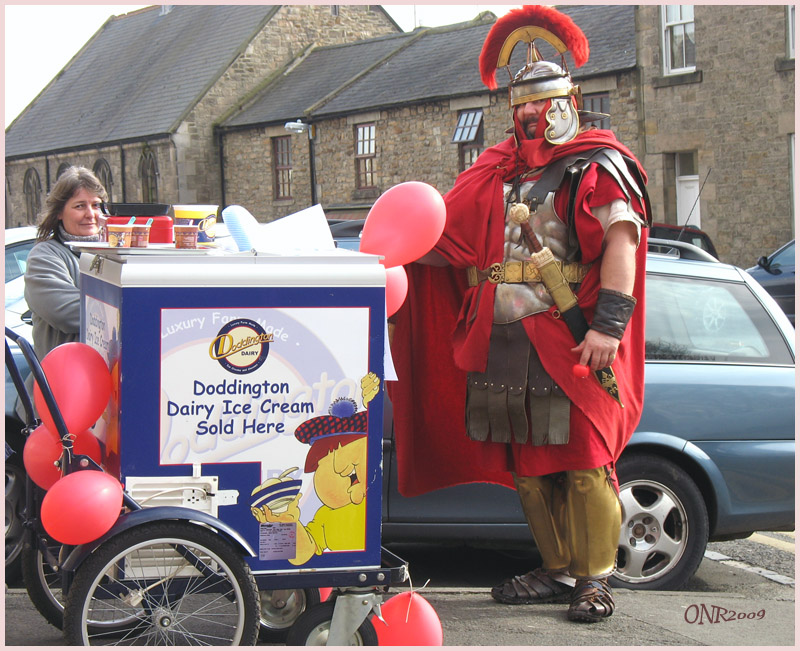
{"type": "Point", "coordinates": [43, 584]}
{"type": "Point", "coordinates": [184, 584]}
{"type": "Point", "coordinates": [280, 610]}
{"type": "Point", "coordinates": [314, 625]}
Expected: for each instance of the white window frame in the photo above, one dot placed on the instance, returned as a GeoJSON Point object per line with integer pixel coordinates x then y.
{"type": "Point", "coordinates": [790, 31]}
{"type": "Point", "coordinates": [666, 42]}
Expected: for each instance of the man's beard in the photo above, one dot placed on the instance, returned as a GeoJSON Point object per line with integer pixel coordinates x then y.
{"type": "Point", "coordinates": [530, 129]}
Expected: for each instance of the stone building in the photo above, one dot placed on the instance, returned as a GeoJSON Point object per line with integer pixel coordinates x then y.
{"type": "Point", "coordinates": [717, 113]}
{"type": "Point", "coordinates": [388, 110]}
{"type": "Point", "coordinates": [703, 95]}
{"type": "Point", "coordinates": [139, 102]}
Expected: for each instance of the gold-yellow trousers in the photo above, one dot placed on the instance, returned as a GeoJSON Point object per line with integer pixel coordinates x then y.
{"type": "Point", "coordinates": [575, 518]}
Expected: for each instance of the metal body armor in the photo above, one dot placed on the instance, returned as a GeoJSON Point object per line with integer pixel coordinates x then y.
{"type": "Point", "coordinates": [515, 301]}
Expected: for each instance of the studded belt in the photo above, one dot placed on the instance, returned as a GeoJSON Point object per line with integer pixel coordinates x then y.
{"type": "Point", "coordinates": [523, 272]}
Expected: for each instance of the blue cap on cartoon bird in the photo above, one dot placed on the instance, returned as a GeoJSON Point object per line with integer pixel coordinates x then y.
{"type": "Point", "coordinates": [342, 425]}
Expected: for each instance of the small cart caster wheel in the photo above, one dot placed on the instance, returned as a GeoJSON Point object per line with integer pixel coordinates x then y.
{"type": "Point", "coordinates": [314, 625]}
{"type": "Point", "coordinates": [280, 610]}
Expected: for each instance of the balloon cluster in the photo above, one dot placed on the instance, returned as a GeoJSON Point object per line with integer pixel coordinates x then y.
{"type": "Point", "coordinates": [404, 224]}
{"type": "Point", "coordinates": [409, 620]}
{"type": "Point", "coordinates": [81, 506]}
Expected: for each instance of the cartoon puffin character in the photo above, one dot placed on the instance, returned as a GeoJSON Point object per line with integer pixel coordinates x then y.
{"type": "Point", "coordinates": [338, 459]}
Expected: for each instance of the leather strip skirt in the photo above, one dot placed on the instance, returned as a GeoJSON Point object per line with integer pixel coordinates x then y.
{"type": "Point", "coordinates": [515, 398]}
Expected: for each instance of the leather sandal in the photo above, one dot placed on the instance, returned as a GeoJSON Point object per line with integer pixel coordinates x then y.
{"type": "Point", "coordinates": [536, 587]}
{"type": "Point", "coordinates": [591, 601]}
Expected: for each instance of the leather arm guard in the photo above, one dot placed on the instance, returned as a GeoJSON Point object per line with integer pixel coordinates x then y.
{"type": "Point", "coordinates": [612, 312]}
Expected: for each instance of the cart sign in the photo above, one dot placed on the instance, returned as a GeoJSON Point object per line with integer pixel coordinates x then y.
{"type": "Point", "coordinates": [236, 386]}
{"type": "Point", "coordinates": [251, 389]}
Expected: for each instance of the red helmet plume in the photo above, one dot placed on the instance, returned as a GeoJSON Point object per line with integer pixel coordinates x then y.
{"type": "Point", "coordinates": [525, 25]}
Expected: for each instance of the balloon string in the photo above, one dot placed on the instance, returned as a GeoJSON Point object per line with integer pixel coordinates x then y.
{"type": "Point", "coordinates": [412, 591]}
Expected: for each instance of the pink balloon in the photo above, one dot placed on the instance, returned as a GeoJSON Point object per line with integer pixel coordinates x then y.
{"type": "Point", "coordinates": [396, 289]}
{"type": "Point", "coordinates": [404, 223]}
{"type": "Point", "coordinates": [81, 507]}
{"type": "Point", "coordinates": [43, 448]}
{"type": "Point", "coordinates": [81, 383]}
{"type": "Point", "coordinates": [410, 621]}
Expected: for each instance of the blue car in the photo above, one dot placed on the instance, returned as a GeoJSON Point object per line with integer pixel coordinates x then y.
{"type": "Point", "coordinates": [713, 456]}
{"type": "Point", "coordinates": [775, 273]}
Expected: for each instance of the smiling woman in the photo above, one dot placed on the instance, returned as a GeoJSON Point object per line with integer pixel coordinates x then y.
{"type": "Point", "coordinates": [52, 276]}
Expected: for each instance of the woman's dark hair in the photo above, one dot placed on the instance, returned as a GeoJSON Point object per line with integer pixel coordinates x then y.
{"type": "Point", "coordinates": [71, 181]}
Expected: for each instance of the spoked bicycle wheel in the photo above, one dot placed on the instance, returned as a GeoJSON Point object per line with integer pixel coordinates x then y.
{"type": "Point", "coordinates": [184, 584]}
{"type": "Point", "coordinates": [43, 583]}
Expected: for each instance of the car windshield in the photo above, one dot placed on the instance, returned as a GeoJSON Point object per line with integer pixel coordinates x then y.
{"type": "Point", "coordinates": [703, 320]}
{"type": "Point", "coordinates": [783, 258]}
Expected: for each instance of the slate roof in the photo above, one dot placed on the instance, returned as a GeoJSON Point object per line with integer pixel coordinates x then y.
{"type": "Point", "coordinates": [323, 71]}
{"type": "Point", "coordinates": [136, 77]}
{"type": "Point", "coordinates": [433, 64]}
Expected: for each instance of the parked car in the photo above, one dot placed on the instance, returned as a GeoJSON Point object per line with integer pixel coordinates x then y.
{"type": "Point", "coordinates": [775, 272]}
{"type": "Point", "coordinates": [712, 458]}
{"type": "Point", "coordinates": [690, 234]}
{"type": "Point", "coordinates": [19, 242]}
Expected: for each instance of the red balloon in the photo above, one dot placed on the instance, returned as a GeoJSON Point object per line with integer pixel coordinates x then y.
{"type": "Point", "coordinates": [43, 448]}
{"type": "Point", "coordinates": [81, 383]}
{"type": "Point", "coordinates": [410, 621]}
{"type": "Point", "coordinates": [81, 507]}
{"type": "Point", "coordinates": [404, 223]}
{"type": "Point", "coordinates": [579, 370]}
{"type": "Point", "coordinates": [396, 289]}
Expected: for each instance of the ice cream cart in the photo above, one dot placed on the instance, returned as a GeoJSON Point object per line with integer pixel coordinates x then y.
{"type": "Point", "coordinates": [249, 387]}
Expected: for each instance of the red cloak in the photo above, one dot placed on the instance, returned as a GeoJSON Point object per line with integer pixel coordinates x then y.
{"type": "Point", "coordinates": [442, 331]}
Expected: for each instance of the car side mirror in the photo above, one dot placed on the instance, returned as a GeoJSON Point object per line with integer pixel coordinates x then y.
{"type": "Point", "coordinates": [763, 262]}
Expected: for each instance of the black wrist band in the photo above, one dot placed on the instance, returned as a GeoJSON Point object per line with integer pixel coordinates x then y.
{"type": "Point", "coordinates": [612, 312]}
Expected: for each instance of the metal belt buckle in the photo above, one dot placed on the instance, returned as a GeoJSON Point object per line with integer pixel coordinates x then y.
{"type": "Point", "coordinates": [496, 273]}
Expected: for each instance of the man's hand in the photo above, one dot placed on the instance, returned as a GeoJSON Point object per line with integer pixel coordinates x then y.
{"type": "Point", "coordinates": [597, 350]}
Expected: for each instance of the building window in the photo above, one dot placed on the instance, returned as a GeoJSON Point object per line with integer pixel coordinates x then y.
{"type": "Point", "coordinates": [365, 156]}
{"type": "Point", "coordinates": [102, 170]}
{"type": "Point", "coordinates": [148, 174]}
{"type": "Point", "coordinates": [469, 137]}
{"type": "Point", "coordinates": [282, 167]}
{"type": "Point", "coordinates": [334, 10]}
{"type": "Point", "coordinates": [598, 103]}
{"type": "Point", "coordinates": [679, 44]}
{"type": "Point", "coordinates": [790, 31]}
{"type": "Point", "coordinates": [62, 168]}
{"type": "Point", "coordinates": [32, 189]}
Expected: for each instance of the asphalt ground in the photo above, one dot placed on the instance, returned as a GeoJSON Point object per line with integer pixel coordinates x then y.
{"type": "Point", "coordinates": [725, 605]}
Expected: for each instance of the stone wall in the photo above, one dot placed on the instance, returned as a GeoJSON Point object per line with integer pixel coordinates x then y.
{"type": "Point", "coordinates": [413, 144]}
{"type": "Point", "coordinates": [737, 113]}
{"type": "Point", "coordinates": [123, 190]}
{"type": "Point", "coordinates": [286, 35]}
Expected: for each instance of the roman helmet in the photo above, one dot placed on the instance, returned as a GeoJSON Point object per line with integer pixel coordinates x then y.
{"type": "Point", "coordinates": [540, 79]}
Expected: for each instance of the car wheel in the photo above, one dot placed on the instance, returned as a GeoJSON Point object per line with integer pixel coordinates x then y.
{"type": "Point", "coordinates": [664, 525]}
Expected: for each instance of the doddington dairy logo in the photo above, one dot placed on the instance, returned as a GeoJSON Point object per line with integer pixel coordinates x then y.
{"type": "Point", "coordinates": [241, 346]}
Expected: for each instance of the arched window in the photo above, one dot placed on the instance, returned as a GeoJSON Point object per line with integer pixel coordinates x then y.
{"type": "Point", "coordinates": [102, 170]}
{"type": "Point", "coordinates": [62, 168]}
{"type": "Point", "coordinates": [32, 189]}
{"type": "Point", "coordinates": [148, 173]}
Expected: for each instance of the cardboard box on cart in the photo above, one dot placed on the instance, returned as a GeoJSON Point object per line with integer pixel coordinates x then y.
{"type": "Point", "coordinates": [238, 390]}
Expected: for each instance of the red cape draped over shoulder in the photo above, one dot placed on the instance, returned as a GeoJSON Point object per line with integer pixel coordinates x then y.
{"type": "Point", "coordinates": [442, 330]}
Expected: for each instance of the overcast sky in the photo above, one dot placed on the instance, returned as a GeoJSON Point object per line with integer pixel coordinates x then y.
{"type": "Point", "coordinates": [41, 39]}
